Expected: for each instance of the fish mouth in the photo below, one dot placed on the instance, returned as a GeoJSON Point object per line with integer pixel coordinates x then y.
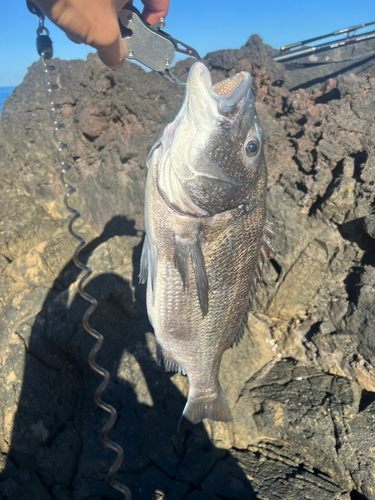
{"type": "Point", "coordinates": [227, 96]}
{"type": "Point", "coordinates": [234, 88]}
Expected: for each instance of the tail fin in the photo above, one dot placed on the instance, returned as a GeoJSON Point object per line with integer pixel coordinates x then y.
{"type": "Point", "coordinates": [216, 409]}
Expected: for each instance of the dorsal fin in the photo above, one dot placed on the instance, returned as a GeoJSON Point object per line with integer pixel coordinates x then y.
{"type": "Point", "coordinates": [266, 249]}
{"type": "Point", "coordinates": [239, 335]}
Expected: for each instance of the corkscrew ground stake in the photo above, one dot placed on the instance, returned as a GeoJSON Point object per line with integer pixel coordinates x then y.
{"type": "Point", "coordinates": [44, 48]}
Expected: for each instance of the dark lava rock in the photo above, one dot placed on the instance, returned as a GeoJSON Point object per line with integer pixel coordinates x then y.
{"type": "Point", "coordinates": [302, 382]}
{"type": "Point", "coordinates": [26, 485]}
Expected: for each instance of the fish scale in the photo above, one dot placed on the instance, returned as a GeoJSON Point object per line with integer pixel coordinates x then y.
{"type": "Point", "coordinates": [206, 233]}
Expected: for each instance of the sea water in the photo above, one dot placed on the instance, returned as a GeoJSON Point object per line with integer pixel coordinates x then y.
{"type": "Point", "coordinates": [4, 93]}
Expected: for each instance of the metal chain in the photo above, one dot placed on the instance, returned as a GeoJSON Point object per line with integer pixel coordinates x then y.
{"type": "Point", "coordinates": [75, 214]}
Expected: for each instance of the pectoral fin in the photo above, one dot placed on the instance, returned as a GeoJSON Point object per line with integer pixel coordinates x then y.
{"type": "Point", "coordinates": [181, 260]}
{"type": "Point", "coordinates": [183, 248]}
{"type": "Point", "coordinates": [200, 276]}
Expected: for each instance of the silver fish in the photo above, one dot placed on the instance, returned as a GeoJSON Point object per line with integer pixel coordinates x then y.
{"type": "Point", "coordinates": [206, 233]}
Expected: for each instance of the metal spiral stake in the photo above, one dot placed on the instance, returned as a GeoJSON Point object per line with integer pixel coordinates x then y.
{"type": "Point", "coordinates": [65, 167]}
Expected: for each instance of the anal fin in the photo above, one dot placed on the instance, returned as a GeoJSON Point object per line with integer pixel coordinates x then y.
{"type": "Point", "coordinates": [169, 366]}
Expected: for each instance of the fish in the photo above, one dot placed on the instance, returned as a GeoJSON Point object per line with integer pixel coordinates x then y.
{"type": "Point", "coordinates": [207, 236]}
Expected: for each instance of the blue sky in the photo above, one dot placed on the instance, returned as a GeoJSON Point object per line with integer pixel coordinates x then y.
{"type": "Point", "coordinates": [207, 25]}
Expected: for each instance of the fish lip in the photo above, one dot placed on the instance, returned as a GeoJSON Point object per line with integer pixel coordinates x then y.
{"type": "Point", "coordinates": [238, 86]}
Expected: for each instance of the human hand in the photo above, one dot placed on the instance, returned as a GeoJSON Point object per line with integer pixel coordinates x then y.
{"type": "Point", "coordinates": [95, 23]}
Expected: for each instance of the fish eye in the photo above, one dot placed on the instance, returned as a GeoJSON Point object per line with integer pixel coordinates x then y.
{"type": "Point", "coordinates": [252, 147]}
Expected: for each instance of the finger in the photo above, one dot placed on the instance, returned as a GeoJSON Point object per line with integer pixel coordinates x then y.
{"type": "Point", "coordinates": [74, 38]}
{"type": "Point", "coordinates": [95, 24]}
{"type": "Point", "coordinates": [154, 10]}
{"type": "Point", "coordinates": [112, 55]}
{"type": "Point", "coordinates": [120, 4]}
{"type": "Point", "coordinates": [106, 38]}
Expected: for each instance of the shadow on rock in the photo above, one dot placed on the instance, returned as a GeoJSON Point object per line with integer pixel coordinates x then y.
{"type": "Point", "coordinates": [54, 450]}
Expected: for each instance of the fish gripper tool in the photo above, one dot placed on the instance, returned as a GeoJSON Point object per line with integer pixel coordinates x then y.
{"type": "Point", "coordinates": [44, 48]}
{"type": "Point", "coordinates": [150, 45]}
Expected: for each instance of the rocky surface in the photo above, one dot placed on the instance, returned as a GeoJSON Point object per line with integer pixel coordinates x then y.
{"type": "Point", "coordinates": [301, 383]}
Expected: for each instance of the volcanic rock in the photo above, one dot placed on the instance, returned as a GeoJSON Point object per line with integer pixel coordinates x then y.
{"type": "Point", "coordinates": [301, 384]}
